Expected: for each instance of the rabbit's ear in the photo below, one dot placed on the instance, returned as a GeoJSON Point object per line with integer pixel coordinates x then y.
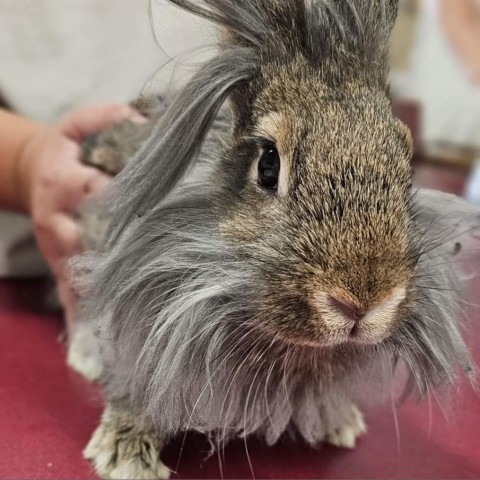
{"type": "Point", "coordinates": [451, 230]}
{"type": "Point", "coordinates": [320, 30]}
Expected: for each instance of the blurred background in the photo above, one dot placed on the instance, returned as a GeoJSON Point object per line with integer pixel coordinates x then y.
{"type": "Point", "coordinates": [56, 55]}
{"type": "Point", "coordinates": [435, 85]}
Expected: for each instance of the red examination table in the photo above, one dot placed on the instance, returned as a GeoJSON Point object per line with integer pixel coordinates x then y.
{"type": "Point", "coordinates": [47, 414]}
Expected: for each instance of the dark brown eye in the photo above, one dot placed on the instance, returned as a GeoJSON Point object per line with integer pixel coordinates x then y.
{"type": "Point", "coordinates": [269, 169]}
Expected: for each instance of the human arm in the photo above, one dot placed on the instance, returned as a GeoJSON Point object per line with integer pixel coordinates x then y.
{"type": "Point", "coordinates": [461, 22]}
{"type": "Point", "coordinates": [41, 174]}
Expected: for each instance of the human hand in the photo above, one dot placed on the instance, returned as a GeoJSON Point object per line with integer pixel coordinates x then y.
{"type": "Point", "coordinates": [53, 184]}
{"type": "Point", "coordinates": [474, 68]}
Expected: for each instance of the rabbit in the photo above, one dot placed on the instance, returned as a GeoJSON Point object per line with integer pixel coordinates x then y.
{"type": "Point", "coordinates": [266, 250]}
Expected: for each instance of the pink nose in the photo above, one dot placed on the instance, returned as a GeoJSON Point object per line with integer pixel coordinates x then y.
{"type": "Point", "coordinates": [352, 312]}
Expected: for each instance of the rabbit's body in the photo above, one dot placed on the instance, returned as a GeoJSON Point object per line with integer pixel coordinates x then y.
{"type": "Point", "coordinates": [263, 262]}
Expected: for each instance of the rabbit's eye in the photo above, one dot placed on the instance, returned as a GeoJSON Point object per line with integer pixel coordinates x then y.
{"type": "Point", "coordinates": [269, 169]}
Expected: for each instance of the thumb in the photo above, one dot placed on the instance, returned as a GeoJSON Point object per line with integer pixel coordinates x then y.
{"type": "Point", "coordinates": [93, 119]}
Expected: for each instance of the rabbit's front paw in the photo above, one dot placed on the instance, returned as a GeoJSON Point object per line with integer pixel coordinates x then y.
{"type": "Point", "coordinates": [345, 435]}
{"type": "Point", "coordinates": [118, 450]}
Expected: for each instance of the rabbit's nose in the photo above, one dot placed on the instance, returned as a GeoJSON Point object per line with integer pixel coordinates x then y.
{"type": "Point", "coordinates": [347, 309]}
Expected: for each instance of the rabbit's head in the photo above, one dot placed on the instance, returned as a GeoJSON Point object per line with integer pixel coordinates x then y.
{"type": "Point", "coordinates": [316, 181]}
{"type": "Point", "coordinates": [317, 190]}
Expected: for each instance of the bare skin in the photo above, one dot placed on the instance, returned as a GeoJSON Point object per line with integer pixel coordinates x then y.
{"type": "Point", "coordinates": [461, 22]}
{"type": "Point", "coordinates": [41, 175]}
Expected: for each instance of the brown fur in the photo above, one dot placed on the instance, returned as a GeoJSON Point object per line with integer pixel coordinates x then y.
{"type": "Point", "coordinates": [344, 223]}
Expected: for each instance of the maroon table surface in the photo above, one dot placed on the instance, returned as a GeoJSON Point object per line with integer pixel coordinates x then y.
{"type": "Point", "coordinates": [47, 414]}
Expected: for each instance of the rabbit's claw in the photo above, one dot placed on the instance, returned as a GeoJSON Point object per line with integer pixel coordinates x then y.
{"type": "Point", "coordinates": [345, 436]}
{"type": "Point", "coordinates": [120, 450]}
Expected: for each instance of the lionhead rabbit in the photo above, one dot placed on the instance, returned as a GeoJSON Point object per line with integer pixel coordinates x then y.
{"type": "Point", "coordinates": [265, 251]}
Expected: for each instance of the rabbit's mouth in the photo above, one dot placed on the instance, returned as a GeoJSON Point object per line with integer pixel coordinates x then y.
{"type": "Point", "coordinates": [341, 321]}
{"type": "Point", "coordinates": [329, 320]}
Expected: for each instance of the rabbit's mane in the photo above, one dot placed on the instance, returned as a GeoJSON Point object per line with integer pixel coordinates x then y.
{"type": "Point", "coordinates": [176, 299]}
{"type": "Point", "coordinates": [316, 29]}
{"type": "Point", "coordinates": [181, 343]}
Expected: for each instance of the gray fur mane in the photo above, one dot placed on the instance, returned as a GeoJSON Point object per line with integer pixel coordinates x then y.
{"type": "Point", "coordinates": [314, 28]}
{"type": "Point", "coordinates": [180, 340]}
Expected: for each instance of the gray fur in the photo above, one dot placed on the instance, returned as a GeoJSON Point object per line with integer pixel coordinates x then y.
{"type": "Point", "coordinates": [186, 348]}
{"type": "Point", "coordinates": [431, 341]}
{"type": "Point", "coordinates": [178, 299]}
{"type": "Point", "coordinates": [178, 138]}
{"type": "Point", "coordinates": [316, 29]}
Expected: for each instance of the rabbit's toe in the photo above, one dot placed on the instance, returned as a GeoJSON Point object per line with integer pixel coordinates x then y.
{"type": "Point", "coordinates": [345, 436]}
{"type": "Point", "coordinates": [121, 451]}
